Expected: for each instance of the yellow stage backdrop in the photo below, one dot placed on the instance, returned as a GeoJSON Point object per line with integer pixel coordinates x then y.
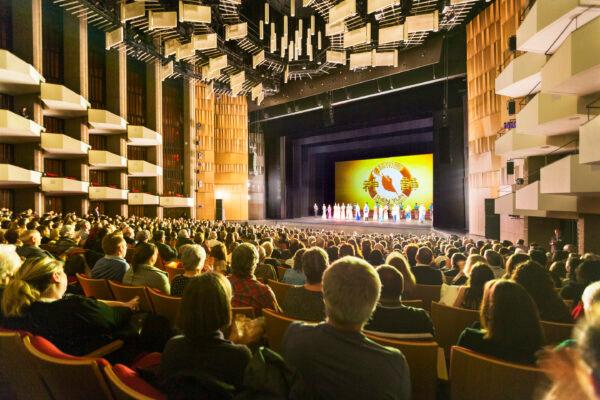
{"type": "Point", "coordinates": [393, 180]}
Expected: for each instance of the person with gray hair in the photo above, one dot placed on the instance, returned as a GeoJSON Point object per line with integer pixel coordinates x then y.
{"type": "Point", "coordinates": [66, 241]}
{"type": "Point", "coordinates": [192, 258]}
{"type": "Point", "coordinates": [142, 236]}
{"type": "Point", "coordinates": [183, 238]}
{"type": "Point", "coordinates": [322, 353]}
{"type": "Point", "coordinates": [10, 262]}
{"type": "Point", "coordinates": [31, 245]}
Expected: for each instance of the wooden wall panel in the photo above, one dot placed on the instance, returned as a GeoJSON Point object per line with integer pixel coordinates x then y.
{"type": "Point", "coordinates": [205, 152]}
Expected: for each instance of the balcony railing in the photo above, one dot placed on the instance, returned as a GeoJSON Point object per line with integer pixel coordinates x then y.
{"type": "Point", "coordinates": [17, 129]}
{"type": "Point", "coordinates": [13, 176]}
{"type": "Point", "coordinates": [16, 76]}
{"type": "Point", "coordinates": [62, 102]}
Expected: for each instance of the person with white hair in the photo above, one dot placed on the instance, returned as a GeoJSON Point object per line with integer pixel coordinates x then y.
{"type": "Point", "coordinates": [590, 297]}
{"type": "Point", "coordinates": [183, 237]}
{"type": "Point", "coordinates": [31, 245]}
{"type": "Point", "coordinates": [322, 353]}
{"type": "Point", "coordinates": [193, 257]}
{"type": "Point", "coordinates": [66, 240]}
{"type": "Point", "coordinates": [10, 262]}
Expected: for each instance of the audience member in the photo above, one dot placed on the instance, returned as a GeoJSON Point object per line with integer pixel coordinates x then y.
{"type": "Point", "coordinates": [399, 261]}
{"type": "Point", "coordinates": [295, 275]}
{"type": "Point", "coordinates": [470, 295]}
{"type": "Point", "coordinates": [192, 258]}
{"type": "Point", "coordinates": [113, 265]}
{"type": "Point", "coordinates": [166, 252]}
{"type": "Point", "coordinates": [424, 273]}
{"type": "Point", "coordinates": [31, 240]}
{"type": "Point", "coordinates": [144, 273]}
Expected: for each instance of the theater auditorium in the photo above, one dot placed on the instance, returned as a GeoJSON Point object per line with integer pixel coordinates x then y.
{"type": "Point", "coordinates": [300, 199]}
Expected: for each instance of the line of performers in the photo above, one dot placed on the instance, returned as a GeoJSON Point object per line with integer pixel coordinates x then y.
{"type": "Point", "coordinates": [381, 213]}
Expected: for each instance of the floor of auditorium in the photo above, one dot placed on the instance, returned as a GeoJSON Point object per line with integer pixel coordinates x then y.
{"type": "Point", "coordinates": [412, 227]}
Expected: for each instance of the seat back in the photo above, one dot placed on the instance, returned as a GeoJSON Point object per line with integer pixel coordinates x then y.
{"type": "Point", "coordinates": [126, 293]}
{"type": "Point", "coordinates": [126, 384]}
{"type": "Point", "coordinates": [69, 378]}
{"type": "Point", "coordinates": [167, 306]}
{"type": "Point", "coordinates": [275, 327]}
{"type": "Point", "coordinates": [449, 322]}
{"type": "Point", "coordinates": [474, 376]}
{"type": "Point", "coordinates": [413, 303]}
{"type": "Point", "coordinates": [281, 272]}
{"type": "Point", "coordinates": [422, 363]}
{"type": "Point", "coordinates": [279, 289]}
{"type": "Point", "coordinates": [426, 293]}
{"type": "Point", "coordinates": [18, 377]}
{"type": "Point", "coordinates": [555, 332]}
{"type": "Point", "coordinates": [97, 288]}
{"type": "Point", "coordinates": [173, 270]}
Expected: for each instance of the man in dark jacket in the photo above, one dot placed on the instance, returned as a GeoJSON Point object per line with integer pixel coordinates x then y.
{"type": "Point", "coordinates": [31, 241]}
{"type": "Point", "coordinates": [167, 253]}
{"type": "Point", "coordinates": [424, 273]}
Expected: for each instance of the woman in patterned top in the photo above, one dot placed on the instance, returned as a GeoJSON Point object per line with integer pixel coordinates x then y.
{"type": "Point", "coordinates": [192, 258]}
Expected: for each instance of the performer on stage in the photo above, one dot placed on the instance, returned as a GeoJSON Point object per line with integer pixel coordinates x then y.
{"type": "Point", "coordinates": [366, 211]}
{"type": "Point", "coordinates": [349, 212]}
{"type": "Point", "coordinates": [422, 212]}
{"type": "Point", "coordinates": [357, 210]}
{"type": "Point", "coordinates": [324, 212]}
{"type": "Point", "coordinates": [316, 208]}
{"type": "Point", "coordinates": [407, 211]}
{"type": "Point", "coordinates": [376, 212]}
{"type": "Point", "coordinates": [342, 214]}
{"type": "Point", "coordinates": [329, 211]}
{"type": "Point", "coordinates": [395, 211]}
{"type": "Point", "coordinates": [385, 213]}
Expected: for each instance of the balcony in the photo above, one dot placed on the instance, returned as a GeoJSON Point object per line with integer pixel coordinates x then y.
{"type": "Point", "coordinates": [12, 176]}
{"type": "Point", "coordinates": [549, 22]}
{"type": "Point", "coordinates": [568, 176]}
{"type": "Point", "coordinates": [105, 193]}
{"type": "Point", "coordinates": [506, 205]}
{"type": "Point", "coordinates": [575, 66]}
{"type": "Point", "coordinates": [174, 201]}
{"type": "Point", "coordinates": [550, 114]}
{"type": "Point", "coordinates": [61, 186]}
{"type": "Point", "coordinates": [589, 141]}
{"type": "Point", "coordinates": [102, 159]}
{"type": "Point", "coordinates": [62, 102]}
{"type": "Point", "coordinates": [103, 122]}
{"type": "Point", "coordinates": [57, 145]}
{"type": "Point", "coordinates": [141, 136]}
{"type": "Point", "coordinates": [17, 129]}
{"type": "Point", "coordinates": [529, 198]}
{"type": "Point", "coordinates": [142, 199]}
{"type": "Point", "coordinates": [16, 76]}
{"type": "Point", "coordinates": [140, 168]}
{"type": "Point", "coordinates": [514, 144]}
{"type": "Point", "coordinates": [521, 76]}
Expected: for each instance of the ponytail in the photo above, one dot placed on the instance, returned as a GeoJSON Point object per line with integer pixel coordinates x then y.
{"type": "Point", "coordinates": [30, 282]}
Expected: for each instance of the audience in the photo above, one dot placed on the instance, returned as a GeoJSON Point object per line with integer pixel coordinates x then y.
{"type": "Point", "coordinates": [391, 318]}
{"type": "Point", "coordinates": [323, 353]}
{"type": "Point", "coordinates": [202, 348]}
{"type": "Point", "coordinates": [306, 302]}
{"type": "Point", "coordinates": [144, 273]}
{"type": "Point", "coordinates": [247, 291]}
{"type": "Point", "coordinates": [113, 265]}
{"type": "Point", "coordinates": [192, 258]}
{"type": "Point", "coordinates": [510, 324]}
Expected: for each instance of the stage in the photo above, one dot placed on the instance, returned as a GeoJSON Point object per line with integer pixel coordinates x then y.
{"type": "Point", "coordinates": [403, 226]}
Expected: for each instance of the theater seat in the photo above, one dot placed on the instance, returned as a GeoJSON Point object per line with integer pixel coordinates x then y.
{"type": "Point", "coordinates": [275, 327]}
{"type": "Point", "coordinates": [167, 306]}
{"type": "Point", "coordinates": [474, 376]}
{"type": "Point", "coordinates": [126, 293]}
{"type": "Point", "coordinates": [449, 322]}
{"type": "Point", "coordinates": [68, 377]}
{"type": "Point", "coordinates": [126, 384]}
{"type": "Point", "coordinates": [555, 332]}
{"type": "Point", "coordinates": [173, 270]}
{"type": "Point", "coordinates": [279, 289]}
{"type": "Point", "coordinates": [426, 293]}
{"type": "Point", "coordinates": [413, 303]}
{"type": "Point", "coordinates": [96, 288]}
{"type": "Point", "coordinates": [281, 272]}
{"type": "Point", "coordinates": [19, 379]}
{"type": "Point", "coordinates": [422, 363]}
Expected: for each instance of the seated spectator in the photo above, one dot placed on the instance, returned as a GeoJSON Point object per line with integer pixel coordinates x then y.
{"type": "Point", "coordinates": [263, 271]}
{"type": "Point", "coordinates": [247, 291]}
{"type": "Point", "coordinates": [10, 262]}
{"type": "Point", "coordinates": [31, 245]}
{"type": "Point", "coordinates": [470, 295]}
{"type": "Point", "coordinates": [462, 277]}
{"type": "Point", "coordinates": [591, 297]}
{"type": "Point", "coordinates": [376, 258]}
{"type": "Point", "coordinates": [113, 265]}
{"type": "Point", "coordinates": [424, 273]}
{"type": "Point", "coordinates": [144, 273]}
{"type": "Point", "coordinates": [35, 301]}
{"type": "Point", "coordinates": [539, 257]}
{"type": "Point", "coordinates": [295, 275]}
{"type": "Point", "coordinates": [495, 262]}
{"type": "Point", "coordinates": [202, 348]}
{"type": "Point", "coordinates": [558, 272]}
{"type": "Point", "coordinates": [510, 324]}
{"type": "Point", "coordinates": [399, 261]}
{"type": "Point", "coordinates": [268, 246]}
{"type": "Point", "coordinates": [183, 237]}
{"type": "Point", "coordinates": [192, 258]}
{"type": "Point", "coordinates": [333, 252]}
{"type": "Point", "coordinates": [538, 283]}
{"type": "Point", "coordinates": [322, 354]}
{"type": "Point", "coordinates": [66, 241]}
{"type": "Point", "coordinates": [457, 263]}
{"type": "Point", "coordinates": [391, 318]}
{"type": "Point", "coordinates": [512, 262]}
{"type": "Point", "coordinates": [306, 302]}
{"type": "Point", "coordinates": [346, 249]}
{"type": "Point", "coordinates": [219, 255]}
{"type": "Point", "coordinates": [166, 252]}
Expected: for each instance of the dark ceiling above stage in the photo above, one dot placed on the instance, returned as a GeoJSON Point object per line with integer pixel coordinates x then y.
{"type": "Point", "coordinates": [244, 54]}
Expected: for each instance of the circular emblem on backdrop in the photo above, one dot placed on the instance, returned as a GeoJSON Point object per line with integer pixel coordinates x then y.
{"type": "Point", "coordinates": [390, 182]}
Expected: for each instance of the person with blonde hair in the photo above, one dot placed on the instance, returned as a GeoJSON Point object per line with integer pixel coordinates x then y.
{"type": "Point", "coordinates": [399, 261]}
{"type": "Point", "coordinates": [322, 354]}
{"type": "Point", "coordinates": [35, 301]}
{"type": "Point", "coordinates": [9, 263]}
{"type": "Point", "coordinates": [462, 277]}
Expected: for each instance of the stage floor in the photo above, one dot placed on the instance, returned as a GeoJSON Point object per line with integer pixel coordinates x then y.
{"type": "Point", "coordinates": [403, 226]}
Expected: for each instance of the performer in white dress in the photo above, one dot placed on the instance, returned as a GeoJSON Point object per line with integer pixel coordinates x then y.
{"type": "Point", "coordinates": [366, 212]}
{"type": "Point", "coordinates": [385, 213]}
{"type": "Point", "coordinates": [395, 210]}
{"type": "Point", "coordinates": [329, 211]}
{"type": "Point", "coordinates": [316, 208]}
{"type": "Point", "coordinates": [343, 211]}
{"type": "Point", "coordinates": [376, 212]}
{"type": "Point", "coordinates": [349, 212]}
{"type": "Point", "coordinates": [422, 212]}
{"type": "Point", "coordinates": [357, 211]}
{"type": "Point", "coordinates": [324, 216]}
{"type": "Point", "coordinates": [407, 211]}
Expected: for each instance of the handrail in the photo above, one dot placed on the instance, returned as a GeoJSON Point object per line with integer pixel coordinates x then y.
{"type": "Point", "coordinates": [589, 106]}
